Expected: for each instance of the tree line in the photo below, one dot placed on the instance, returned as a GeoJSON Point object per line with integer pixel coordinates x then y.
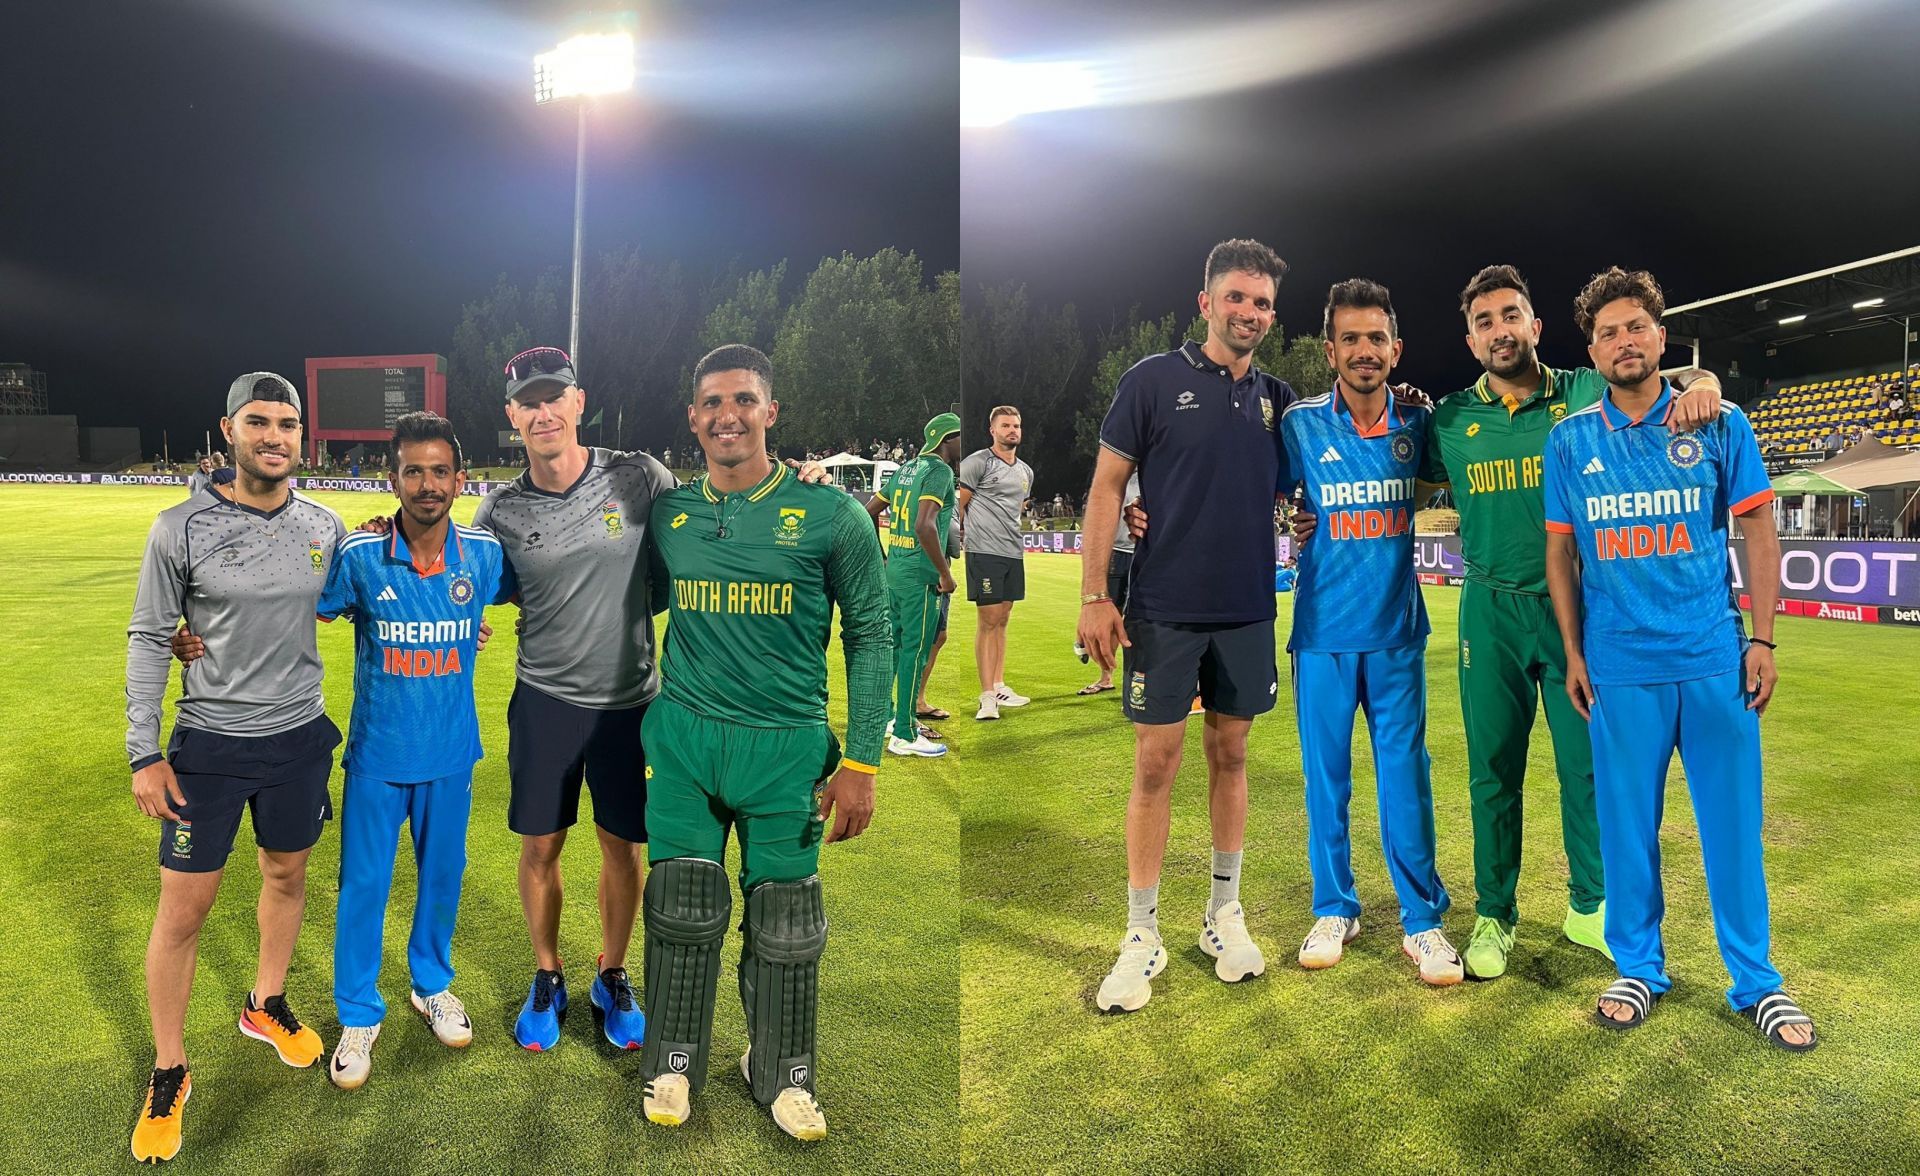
{"type": "Point", "coordinates": [862, 347]}
{"type": "Point", "coordinates": [1061, 373]}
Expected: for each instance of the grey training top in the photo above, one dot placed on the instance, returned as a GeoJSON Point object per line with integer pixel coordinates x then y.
{"type": "Point", "coordinates": [248, 581]}
{"type": "Point", "coordinates": [1123, 538]}
{"type": "Point", "coordinates": [586, 632]}
{"type": "Point", "coordinates": [992, 520]}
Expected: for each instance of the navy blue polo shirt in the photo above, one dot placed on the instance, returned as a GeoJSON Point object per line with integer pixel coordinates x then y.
{"type": "Point", "coordinates": [1209, 464]}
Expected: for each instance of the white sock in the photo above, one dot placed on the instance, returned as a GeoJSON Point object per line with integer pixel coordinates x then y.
{"type": "Point", "coordinates": [1143, 904]}
{"type": "Point", "coordinates": [1226, 880]}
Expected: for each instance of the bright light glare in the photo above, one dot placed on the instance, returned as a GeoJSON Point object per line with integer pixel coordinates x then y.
{"type": "Point", "coordinates": [993, 92]}
{"type": "Point", "coordinates": [595, 63]}
{"type": "Point", "coordinates": [1793, 318]}
{"type": "Point", "coordinates": [1867, 303]}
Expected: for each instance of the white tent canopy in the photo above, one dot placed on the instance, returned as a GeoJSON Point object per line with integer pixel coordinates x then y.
{"type": "Point", "coordinates": [880, 470]}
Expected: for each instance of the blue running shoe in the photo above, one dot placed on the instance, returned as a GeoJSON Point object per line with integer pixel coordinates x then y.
{"type": "Point", "coordinates": [539, 1025]}
{"type": "Point", "coordinates": [625, 1025]}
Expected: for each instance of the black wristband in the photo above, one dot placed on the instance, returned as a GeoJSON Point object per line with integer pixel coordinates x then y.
{"type": "Point", "coordinates": [1760, 641]}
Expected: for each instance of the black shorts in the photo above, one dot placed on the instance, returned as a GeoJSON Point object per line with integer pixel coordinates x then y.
{"type": "Point", "coordinates": [281, 778]}
{"type": "Point", "coordinates": [1118, 573]}
{"type": "Point", "coordinates": [1231, 667]}
{"type": "Point", "coordinates": [946, 599]}
{"type": "Point", "coordinates": [996, 579]}
{"type": "Point", "coordinates": [552, 744]}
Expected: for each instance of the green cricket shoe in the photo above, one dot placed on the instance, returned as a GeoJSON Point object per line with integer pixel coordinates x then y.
{"type": "Point", "coordinates": [1588, 930]}
{"type": "Point", "coordinates": [1486, 957]}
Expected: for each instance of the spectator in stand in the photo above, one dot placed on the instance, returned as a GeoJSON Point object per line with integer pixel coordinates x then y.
{"type": "Point", "coordinates": [1897, 408]}
{"type": "Point", "coordinates": [1878, 394]}
{"type": "Point", "coordinates": [1831, 442]}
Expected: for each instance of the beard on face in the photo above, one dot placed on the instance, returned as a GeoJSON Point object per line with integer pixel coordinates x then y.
{"type": "Point", "coordinates": [245, 457]}
{"type": "Point", "coordinates": [1521, 361]}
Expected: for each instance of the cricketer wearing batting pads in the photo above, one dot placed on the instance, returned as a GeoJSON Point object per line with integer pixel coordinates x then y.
{"type": "Point", "coordinates": [739, 739]}
{"type": "Point", "coordinates": [1360, 632]}
{"type": "Point", "coordinates": [1636, 521]}
{"type": "Point", "coordinates": [1487, 442]}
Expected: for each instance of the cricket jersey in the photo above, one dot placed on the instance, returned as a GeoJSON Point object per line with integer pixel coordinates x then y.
{"type": "Point", "coordinates": [1648, 512]}
{"type": "Point", "coordinates": [755, 575]}
{"type": "Point", "coordinates": [415, 633]}
{"type": "Point", "coordinates": [246, 580]}
{"type": "Point", "coordinates": [586, 614]}
{"type": "Point", "coordinates": [1357, 591]}
{"type": "Point", "coordinates": [999, 489]}
{"type": "Point", "coordinates": [1203, 445]}
{"type": "Point", "coordinates": [923, 477]}
{"type": "Point", "coordinates": [1491, 450]}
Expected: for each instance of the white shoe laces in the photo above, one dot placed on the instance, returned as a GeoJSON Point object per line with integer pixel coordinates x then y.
{"type": "Point", "coordinates": [1327, 929]}
{"type": "Point", "coordinates": [445, 1006]}
{"type": "Point", "coordinates": [1134, 954]}
{"type": "Point", "coordinates": [356, 1041]}
{"type": "Point", "coordinates": [1432, 944]}
{"type": "Point", "coordinates": [1230, 925]}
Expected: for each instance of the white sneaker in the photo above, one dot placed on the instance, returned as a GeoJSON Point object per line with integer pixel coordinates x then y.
{"type": "Point", "coordinates": [1439, 963]}
{"type": "Point", "coordinates": [448, 1017]}
{"type": "Point", "coordinates": [989, 706]}
{"type": "Point", "coordinates": [1327, 942]}
{"type": "Point", "coordinates": [920, 745]}
{"type": "Point", "coordinates": [667, 1101]}
{"type": "Point", "coordinates": [1224, 937]}
{"type": "Point", "coordinates": [795, 1110]}
{"type": "Point", "coordinates": [353, 1057]}
{"type": "Point", "coordinates": [1128, 985]}
{"type": "Point", "coordinates": [1007, 697]}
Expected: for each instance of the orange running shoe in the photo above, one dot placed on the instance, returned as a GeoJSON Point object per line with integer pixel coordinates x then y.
{"type": "Point", "coordinates": [156, 1136]}
{"type": "Point", "coordinates": [274, 1023]}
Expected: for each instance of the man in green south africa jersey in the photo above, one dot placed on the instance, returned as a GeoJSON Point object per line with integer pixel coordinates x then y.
{"type": "Point", "coordinates": [1489, 441]}
{"type": "Point", "coordinates": [738, 737]}
{"type": "Point", "coordinates": [921, 498]}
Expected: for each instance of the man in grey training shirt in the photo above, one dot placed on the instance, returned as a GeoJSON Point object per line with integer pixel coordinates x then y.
{"type": "Point", "coordinates": [994, 485]}
{"type": "Point", "coordinates": [574, 528]}
{"type": "Point", "coordinates": [250, 729]}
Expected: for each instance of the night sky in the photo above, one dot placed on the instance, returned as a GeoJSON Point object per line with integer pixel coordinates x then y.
{"type": "Point", "coordinates": [195, 190]}
{"type": "Point", "coordinates": [1721, 144]}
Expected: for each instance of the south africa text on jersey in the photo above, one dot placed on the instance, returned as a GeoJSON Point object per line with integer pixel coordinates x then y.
{"type": "Point", "coordinates": [742, 598]}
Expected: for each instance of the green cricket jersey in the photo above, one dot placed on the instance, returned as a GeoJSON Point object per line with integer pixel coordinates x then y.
{"type": "Point", "coordinates": [926, 476]}
{"type": "Point", "coordinates": [755, 577]}
{"type": "Point", "coordinates": [1492, 453]}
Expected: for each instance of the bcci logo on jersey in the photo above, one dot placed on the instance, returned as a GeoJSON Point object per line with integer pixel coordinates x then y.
{"type": "Point", "coordinates": [460, 591]}
{"type": "Point", "coordinates": [317, 556]}
{"type": "Point", "coordinates": [610, 515]}
{"type": "Point", "coordinates": [1402, 447]}
{"type": "Point", "coordinates": [791, 528]}
{"type": "Point", "coordinates": [1685, 451]}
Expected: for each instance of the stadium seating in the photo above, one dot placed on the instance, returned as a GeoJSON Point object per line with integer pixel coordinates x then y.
{"type": "Point", "coordinates": [1796, 418]}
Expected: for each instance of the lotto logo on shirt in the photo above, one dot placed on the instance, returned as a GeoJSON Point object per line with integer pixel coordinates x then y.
{"type": "Point", "coordinates": [1638, 540]}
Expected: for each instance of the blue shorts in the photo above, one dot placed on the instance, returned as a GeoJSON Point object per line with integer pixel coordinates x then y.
{"type": "Point", "coordinates": [946, 598]}
{"type": "Point", "coordinates": [281, 778]}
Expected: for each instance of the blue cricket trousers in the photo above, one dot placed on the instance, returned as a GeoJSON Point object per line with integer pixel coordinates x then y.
{"type": "Point", "coordinates": [1390, 687]}
{"type": "Point", "coordinates": [1635, 731]}
{"type": "Point", "coordinates": [372, 812]}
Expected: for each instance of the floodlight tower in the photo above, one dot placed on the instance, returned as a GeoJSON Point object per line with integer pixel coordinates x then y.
{"type": "Point", "coordinates": [578, 69]}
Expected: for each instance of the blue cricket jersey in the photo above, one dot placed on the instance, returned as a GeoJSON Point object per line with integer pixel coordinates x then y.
{"type": "Point", "coordinates": [1648, 512]}
{"type": "Point", "coordinates": [415, 630]}
{"type": "Point", "coordinates": [1357, 591]}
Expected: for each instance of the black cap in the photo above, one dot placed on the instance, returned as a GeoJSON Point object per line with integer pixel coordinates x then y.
{"type": "Point", "coordinates": [260, 386]}
{"type": "Point", "coordinates": [537, 366]}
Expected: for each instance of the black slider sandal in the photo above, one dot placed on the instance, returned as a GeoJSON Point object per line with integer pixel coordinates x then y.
{"type": "Point", "coordinates": [1776, 1011]}
{"type": "Point", "coordinates": [1635, 994]}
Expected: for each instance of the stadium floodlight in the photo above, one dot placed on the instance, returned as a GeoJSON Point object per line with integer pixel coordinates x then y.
{"type": "Point", "coordinates": [1867, 303]}
{"type": "Point", "coordinates": [1793, 318]}
{"type": "Point", "coordinates": [580, 68]}
{"type": "Point", "coordinates": [993, 92]}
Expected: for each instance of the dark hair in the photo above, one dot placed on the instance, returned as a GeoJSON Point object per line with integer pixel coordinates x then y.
{"type": "Point", "coordinates": [1494, 277]}
{"type": "Point", "coordinates": [735, 357]}
{"type": "Point", "coordinates": [416, 427]}
{"type": "Point", "coordinates": [1353, 294]}
{"type": "Point", "coordinates": [1611, 286]}
{"type": "Point", "coordinates": [1243, 253]}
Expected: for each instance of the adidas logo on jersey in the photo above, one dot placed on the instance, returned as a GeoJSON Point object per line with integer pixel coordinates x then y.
{"type": "Point", "coordinates": [388, 593]}
{"type": "Point", "coordinates": [1594, 467]}
{"type": "Point", "coordinates": [1331, 454]}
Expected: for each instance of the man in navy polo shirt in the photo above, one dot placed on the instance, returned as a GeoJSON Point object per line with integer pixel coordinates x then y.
{"type": "Point", "coordinates": [1197, 423]}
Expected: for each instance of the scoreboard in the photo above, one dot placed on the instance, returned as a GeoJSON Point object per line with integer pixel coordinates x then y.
{"type": "Point", "coordinates": [358, 397]}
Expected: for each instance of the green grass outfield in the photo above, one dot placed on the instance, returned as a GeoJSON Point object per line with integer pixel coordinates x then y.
{"type": "Point", "coordinates": [78, 881]}
{"type": "Point", "coordinates": [1363, 1069]}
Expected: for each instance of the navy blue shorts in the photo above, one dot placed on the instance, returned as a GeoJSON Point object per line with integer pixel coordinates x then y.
{"type": "Point", "coordinates": [552, 745]}
{"type": "Point", "coordinates": [1119, 575]}
{"type": "Point", "coordinates": [1231, 667]}
{"type": "Point", "coordinates": [995, 579]}
{"type": "Point", "coordinates": [281, 778]}
{"type": "Point", "coordinates": [946, 599]}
